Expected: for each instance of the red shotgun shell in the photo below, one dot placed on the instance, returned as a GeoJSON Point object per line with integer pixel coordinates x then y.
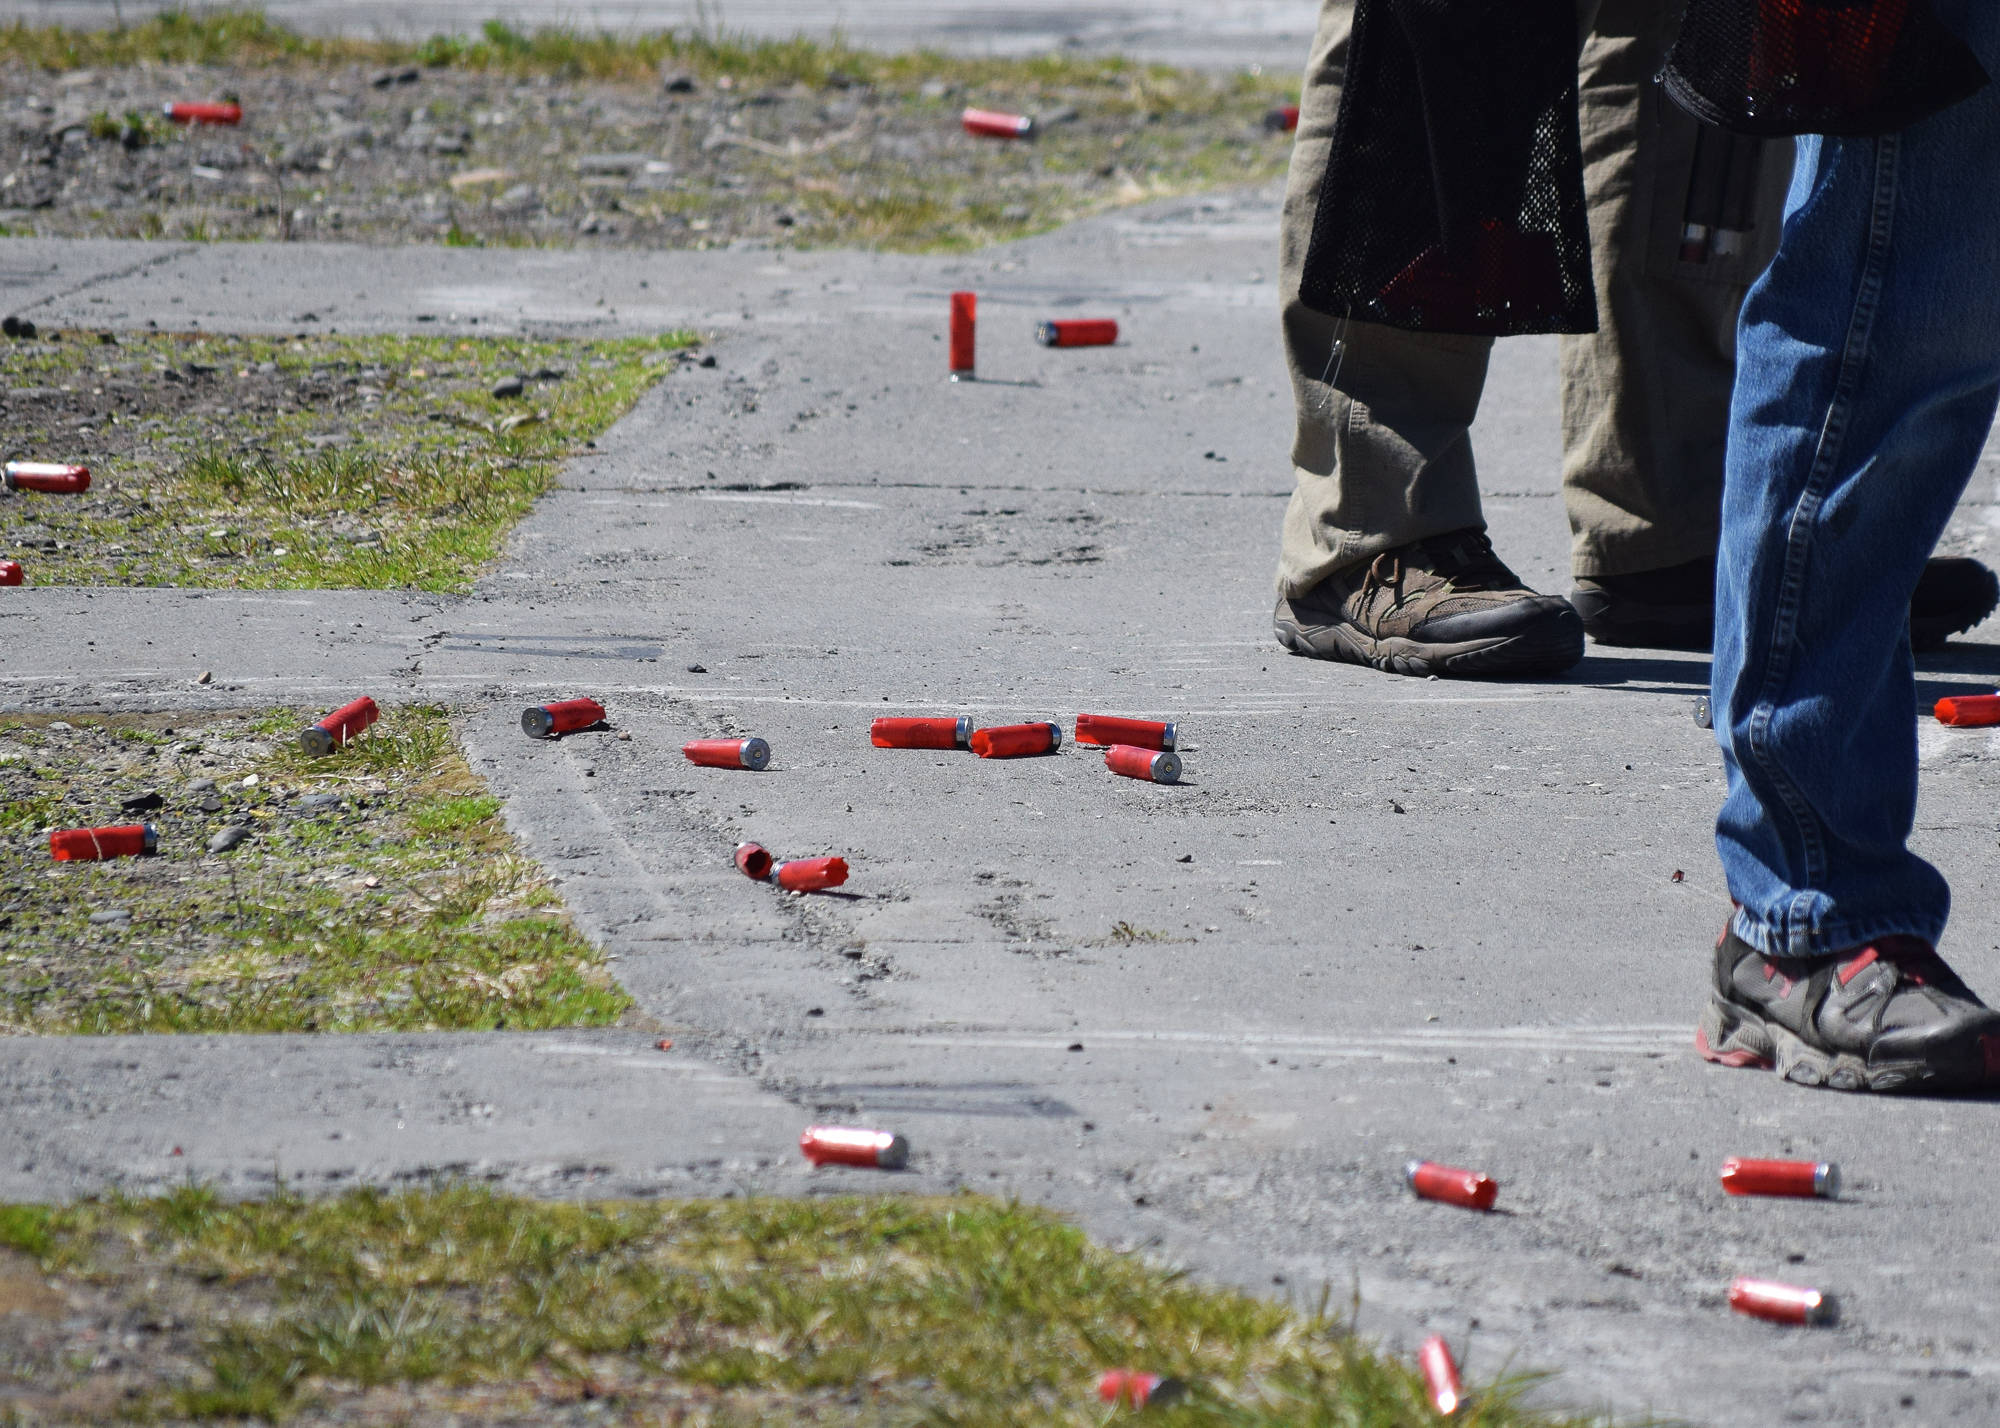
{"type": "Point", "coordinates": [752, 754]}
{"type": "Point", "coordinates": [1969, 711]}
{"type": "Point", "coordinates": [1804, 1178]}
{"type": "Point", "coordinates": [1452, 1185]}
{"type": "Point", "coordinates": [10, 572]}
{"type": "Point", "coordinates": [548, 720]}
{"type": "Point", "coordinates": [56, 478]}
{"type": "Point", "coordinates": [1013, 741]}
{"type": "Point", "coordinates": [1781, 1303]}
{"type": "Point", "coordinates": [1133, 1389]}
{"type": "Point", "coordinates": [1077, 332]}
{"type": "Point", "coordinates": [197, 112]}
{"type": "Point", "coordinates": [1110, 729]}
{"type": "Point", "coordinates": [1143, 763]}
{"type": "Point", "coordinates": [995, 124]}
{"type": "Point", "coordinates": [921, 733]}
{"type": "Point", "coordinates": [754, 859]}
{"type": "Point", "coordinates": [846, 1145]}
{"type": "Point", "coordinates": [93, 845]}
{"type": "Point", "coordinates": [1440, 1375]}
{"type": "Point", "coordinates": [812, 874]}
{"type": "Point", "coordinates": [1282, 120]}
{"type": "Point", "coordinates": [338, 728]}
{"type": "Point", "coordinates": [964, 324]}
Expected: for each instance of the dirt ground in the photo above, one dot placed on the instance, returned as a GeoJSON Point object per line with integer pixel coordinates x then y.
{"type": "Point", "coordinates": [414, 153]}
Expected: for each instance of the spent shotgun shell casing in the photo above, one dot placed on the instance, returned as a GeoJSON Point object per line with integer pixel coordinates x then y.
{"type": "Point", "coordinates": [850, 1145]}
{"type": "Point", "coordinates": [1147, 764]}
{"type": "Point", "coordinates": [1014, 741]}
{"type": "Point", "coordinates": [754, 860]}
{"type": "Point", "coordinates": [51, 478]}
{"type": "Point", "coordinates": [1130, 1388]}
{"type": "Point", "coordinates": [1112, 729]}
{"type": "Point", "coordinates": [964, 336]}
{"type": "Point", "coordinates": [339, 728]}
{"type": "Point", "coordinates": [11, 573]}
{"type": "Point", "coordinates": [94, 845]}
{"type": "Point", "coordinates": [546, 721]}
{"type": "Point", "coordinates": [1282, 120]}
{"type": "Point", "coordinates": [203, 112]}
{"type": "Point", "coordinates": [1440, 1373]}
{"type": "Point", "coordinates": [997, 124]}
{"type": "Point", "coordinates": [1452, 1185]}
{"type": "Point", "coordinates": [753, 754]}
{"type": "Point", "coordinates": [1804, 1179]}
{"type": "Point", "coordinates": [811, 874]}
{"type": "Point", "coordinates": [1969, 711]}
{"type": "Point", "coordinates": [941, 733]}
{"type": "Point", "coordinates": [1077, 332]}
{"type": "Point", "coordinates": [1781, 1303]}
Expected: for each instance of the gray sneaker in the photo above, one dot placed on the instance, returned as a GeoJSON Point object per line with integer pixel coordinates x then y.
{"type": "Point", "coordinates": [1447, 606]}
{"type": "Point", "coordinates": [1888, 1016]}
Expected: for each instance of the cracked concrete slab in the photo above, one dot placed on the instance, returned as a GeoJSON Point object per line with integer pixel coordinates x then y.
{"type": "Point", "coordinates": [1383, 918]}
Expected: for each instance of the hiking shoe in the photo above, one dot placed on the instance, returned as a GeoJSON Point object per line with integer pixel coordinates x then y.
{"type": "Point", "coordinates": [1674, 609]}
{"type": "Point", "coordinates": [1446, 605]}
{"type": "Point", "coordinates": [1888, 1016]}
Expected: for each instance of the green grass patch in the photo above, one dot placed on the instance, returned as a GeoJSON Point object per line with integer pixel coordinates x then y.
{"type": "Point", "coordinates": [302, 463]}
{"type": "Point", "coordinates": [410, 1306]}
{"type": "Point", "coordinates": [378, 888]}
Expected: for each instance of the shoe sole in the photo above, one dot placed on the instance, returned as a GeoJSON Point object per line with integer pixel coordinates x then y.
{"type": "Point", "coordinates": [1550, 649]}
{"type": "Point", "coordinates": [1651, 627]}
{"type": "Point", "coordinates": [1733, 1035]}
{"type": "Point", "coordinates": [1932, 633]}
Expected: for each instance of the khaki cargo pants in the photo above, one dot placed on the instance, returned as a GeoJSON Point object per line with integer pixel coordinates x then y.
{"type": "Point", "coordinates": [1383, 454]}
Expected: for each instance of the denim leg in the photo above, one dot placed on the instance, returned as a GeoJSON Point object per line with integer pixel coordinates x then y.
{"type": "Point", "coordinates": [1867, 376]}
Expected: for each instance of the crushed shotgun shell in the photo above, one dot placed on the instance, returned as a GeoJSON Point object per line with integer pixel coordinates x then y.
{"type": "Point", "coordinates": [1077, 332]}
{"type": "Point", "coordinates": [1804, 1179]}
{"type": "Point", "coordinates": [51, 478]}
{"type": "Point", "coordinates": [754, 860]}
{"type": "Point", "coordinates": [1452, 1185]}
{"type": "Point", "coordinates": [1111, 729]}
{"type": "Point", "coordinates": [338, 728]}
{"type": "Point", "coordinates": [812, 874]}
{"type": "Point", "coordinates": [1781, 1303]}
{"type": "Point", "coordinates": [1014, 741]}
{"type": "Point", "coordinates": [10, 572]}
{"type": "Point", "coordinates": [921, 733]}
{"type": "Point", "coordinates": [1283, 120]}
{"type": "Point", "coordinates": [996, 124]}
{"type": "Point", "coordinates": [1440, 1375]}
{"type": "Point", "coordinates": [1143, 764]}
{"type": "Point", "coordinates": [94, 845]}
{"type": "Point", "coordinates": [1130, 1388]}
{"type": "Point", "coordinates": [1969, 711]}
{"type": "Point", "coordinates": [964, 336]}
{"type": "Point", "coordinates": [546, 721]}
{"type": "Point", "coordinates": [753, 754]}
{"type": "Point", "coordinates": [849, 1145]}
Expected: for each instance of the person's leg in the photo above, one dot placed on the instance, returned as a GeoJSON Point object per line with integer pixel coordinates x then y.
{"type": "Point", "coordinates": [1869, 371]}
{"type": "Point", "coordinates": [1383, 470]}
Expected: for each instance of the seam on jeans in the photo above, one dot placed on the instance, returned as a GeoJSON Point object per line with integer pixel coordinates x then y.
{"type": "Point", "coordinates": [1798, 534]}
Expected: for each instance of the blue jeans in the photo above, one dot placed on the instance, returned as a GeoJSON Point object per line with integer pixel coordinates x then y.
{"type": "Point", "coordinates": [1868, 368]}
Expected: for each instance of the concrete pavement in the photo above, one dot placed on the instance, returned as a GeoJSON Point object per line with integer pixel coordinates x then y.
{"type": "Point", "coordinates": [1384, 917]}
{"type": "Point", "coordinates": [1210, 34]}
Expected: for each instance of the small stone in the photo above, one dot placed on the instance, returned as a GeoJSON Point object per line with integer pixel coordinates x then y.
{"type": "Point", "coordinates": [142, 802]}
{"type": "Point", "coordinates": [228, 838]}
{"type": "Point", "coordinates": [201, 785]}
{"type": "Point", "coordinates": [314, 802]}
{"type": "Point", "coordinates": [509, 387]}
{"type": "Point", "coordinates": [677, 83]}
{"type": "Point", "coordinates": [19, 327]}
{"type": "Point", "coordinates": [205, 677]}
{"type": "Point", "coordinates": [211, 804]}
{"type": "Point", "coordinates": [708, 359]}
{"type": "Point", "coordinates": [251, 781]}
{"type": "Point", "coordinates": [550, 374]}
{"type": "Point", "coordinates": [625, 735]}
{"type": "Point", "coordinates": [58, 726]}
{"type": "Point", "coordinates": [697, 669]}
{"type": "Point", "coordinates": [109, 916]}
